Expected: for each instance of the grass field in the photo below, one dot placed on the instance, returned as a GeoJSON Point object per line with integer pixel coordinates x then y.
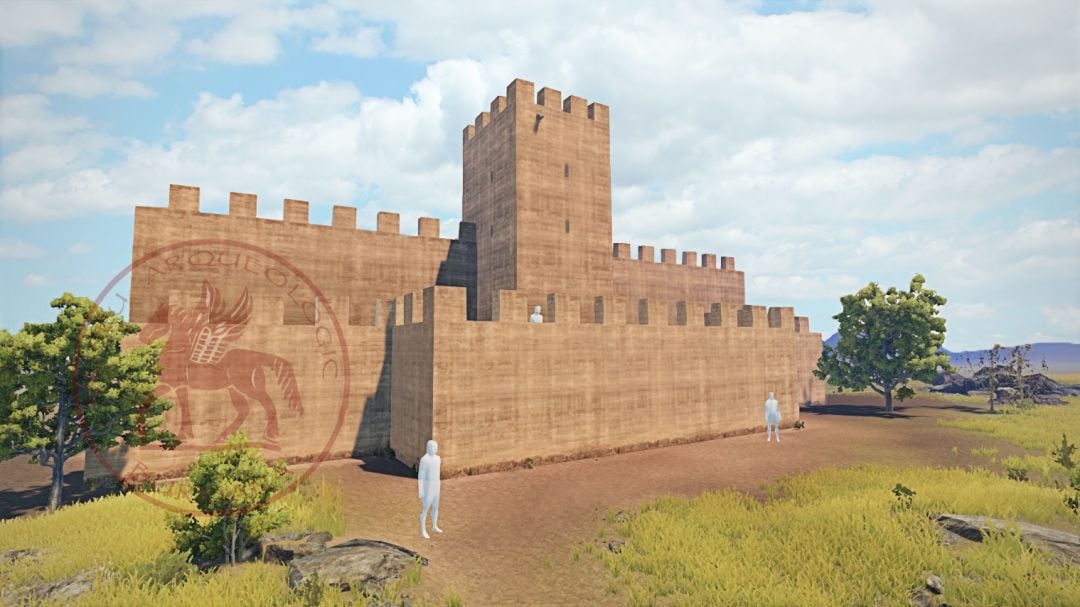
{"type": "Point", "coordinates": [841, 537]}
{"type": "Point", "coordinates": [125, 539]}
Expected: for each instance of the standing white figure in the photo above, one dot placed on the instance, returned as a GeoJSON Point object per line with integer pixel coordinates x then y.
{"type": "Point", "coordinates": [536, 315]}
{"type": "Point", "coordinates": [428, 478]}
{"type": "Point", "coordinates": [772, 418]}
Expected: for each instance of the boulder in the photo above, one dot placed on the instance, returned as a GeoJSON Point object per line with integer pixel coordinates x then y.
{"type": "Point", "coordinates": [63, 591]}
{"type": "Point", "coordinates": [20, 554]}
{"type": "Point", "coordinates": [952, 383]}
{"type": "Point", "coordinates": [1062, 545]}
{"type": "Point", "coordinates": [356, 563]}
{"type": "Point", "coordinates": [616, 546]}
{"type": "Point", "coordinates": [288, 546]}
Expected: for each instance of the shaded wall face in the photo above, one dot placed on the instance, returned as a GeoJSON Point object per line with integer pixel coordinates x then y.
{"type": "Point", "coordinates": [488, 201]}
{"type": "Point", "coordinates": [295, 374]}
{"type": "Point", "coordinates": [507, 390]}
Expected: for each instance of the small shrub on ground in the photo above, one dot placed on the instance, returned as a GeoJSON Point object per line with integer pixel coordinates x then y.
{"type": "Point", "coordinates": [233, 488]}
{"type": "Point", "coordinates": [1063, 453]}
{"type": "Point", "coordinates": [989, 453]}
{"type": "Point", "coordinates": [903, 495]}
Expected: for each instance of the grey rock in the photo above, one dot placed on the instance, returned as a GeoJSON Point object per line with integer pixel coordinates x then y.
{"type": "Point", "coordinates": [356, 563]}
{"type": "Point", "coordinates": [1062, 545]}
{"type": "Point", "coordinates": [285, 547]}
{"type": "Point", "coordinates": [620, 517]}
{"type": "Point", "coordinates": [935, 584]}
{"type": "Point", "coordinates": [65, 590]}
{"type": "Point", "coordinates": [616, 546]}
{"type": "Point", "coordinates": [20, 554]}
{"type": "Point", "coordinates": [921, 597]}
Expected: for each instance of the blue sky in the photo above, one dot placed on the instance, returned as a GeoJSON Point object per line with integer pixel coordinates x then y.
{"type": "Point", "coordinates": [823, 144]}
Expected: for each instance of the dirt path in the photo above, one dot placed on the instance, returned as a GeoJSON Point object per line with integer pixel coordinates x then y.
{"type": "Point", "coordinates": [509, 536]}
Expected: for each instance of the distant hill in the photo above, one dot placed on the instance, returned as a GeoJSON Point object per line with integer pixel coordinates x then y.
{"type": "Point", "coordinates": [1060, 357]}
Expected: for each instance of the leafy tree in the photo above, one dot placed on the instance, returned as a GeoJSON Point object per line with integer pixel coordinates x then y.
{"type": "Point", "coordinates": [886, 339]}
{"type": "Point", "coordinates": [66, 386]}
{"type": "Point", "coordinates": [233, 487]}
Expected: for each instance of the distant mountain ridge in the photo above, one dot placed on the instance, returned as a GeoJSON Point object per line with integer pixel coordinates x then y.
{"type": "Point", "coordinates": [1061, 357]}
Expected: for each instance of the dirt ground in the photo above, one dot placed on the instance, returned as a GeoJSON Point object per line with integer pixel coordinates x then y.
{"type": "Point", "coordinates": [509, 536]}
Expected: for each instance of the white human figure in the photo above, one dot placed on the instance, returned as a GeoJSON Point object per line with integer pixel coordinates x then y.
{"type": "Point", "coordinates": [428, 479]}
{"type": "Point", "coordinates": [772, 418]}
{"type": "Point", "coordinates": [536, 315]}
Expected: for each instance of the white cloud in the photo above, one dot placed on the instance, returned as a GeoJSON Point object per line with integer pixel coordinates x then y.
{"type": "Point", "coordinates": [80, 248]}
{"type": "Point", "coordinates": [13, 248]}
{"type": "Point", "coordinates": [84, 83]}
{"type": "Point", "coordinates": [27, 22]}
{"type": "Point", "coordinates": [1063, 318]}
{"type": "Point", "coordinates": [35, 280]}
{"type": "Point", "coordinates": [364, 42]}
{"type": "Point", "coordinates": [122, 44]}
{"type": "Point", "coordinates": [968, 311]}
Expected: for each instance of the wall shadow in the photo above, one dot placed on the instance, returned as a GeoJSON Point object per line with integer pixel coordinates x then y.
{"type": "Point", "coordinates": [31, 492]}
{"type": "Point", "coordinates": [372, 442]}
{"type": "Point", "coordinates": [855, 411]}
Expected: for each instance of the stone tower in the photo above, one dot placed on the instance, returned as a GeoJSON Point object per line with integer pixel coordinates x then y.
{"type": "Point", "coordinates": [537, 184]}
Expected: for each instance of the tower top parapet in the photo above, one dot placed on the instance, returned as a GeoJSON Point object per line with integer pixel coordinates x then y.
{"type": "Point", "coordinates": [522, 94]}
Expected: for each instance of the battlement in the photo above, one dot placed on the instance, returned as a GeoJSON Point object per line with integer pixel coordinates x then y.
{"type": "Point", "coordinates": [647, 254]}
{"type": "Point", "coordinates": [522, 94]}
{"type": "Point", "coordinates": [558, 308]}
{"type": "Point", "coordinates": [184, 198]}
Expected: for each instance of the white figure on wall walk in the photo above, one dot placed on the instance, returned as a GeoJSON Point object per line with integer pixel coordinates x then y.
{"type": "Point", "coordinates": [772, 418]}
{"type": "Point", "coordinates": [536, 315]}
{"type": "Point", "coordinates": [428, 478]}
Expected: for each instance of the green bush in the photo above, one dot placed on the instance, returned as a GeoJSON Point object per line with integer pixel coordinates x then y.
{"type": "Point", "coordinates": [232, 488]}
{"type": "Point", "coordinates": [167, 568]}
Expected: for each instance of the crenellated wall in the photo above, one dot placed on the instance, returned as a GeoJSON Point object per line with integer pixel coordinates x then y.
{"type": "Point", "coordinates": [508, 390]}
{"type": "Point", "coordinates": [668, 280]}
{"type": "Point", "coordinates": [262, 314]}
{"type": "Point", "coordinates": [343, 261]}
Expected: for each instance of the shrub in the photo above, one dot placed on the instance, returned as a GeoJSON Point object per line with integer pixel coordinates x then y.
{"type": "Point", "coordinates": [167, 568]}
{"type": "Point", "coordinates": [233, 488]}
{"type": "Point", "coordinates": [904, 495]}
{"type": "Point", "coordinates": [1063, 453]}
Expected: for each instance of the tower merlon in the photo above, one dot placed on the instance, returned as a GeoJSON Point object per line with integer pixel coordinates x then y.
{"type": "Point", "coordinates": [621, 250]}
{"type": "Point", "coordinates": [468, 133]}
{"type": "Point", "coordinates": [689, 258]}
{"type": "Point", "coordinates": [344, 217]}
{"type": "Point", "coordinates": [645, 253]}
{"type": "Point", "coordinates": [184, 198]}
{"type": "Point", "coordinates": [563, 309]}
{"type": "Point", "coordinates": [388, 223]}
{"type": "Point", "coordinates": [575, 106]}
{"type": "Point", "coordinates": [498, 104]}
{"type": "Point", "coordinates": [242, 205]}
{"type": "Point", "coordinates": [708, 260]}
{"type": "Point", "coordinates": [549, 97]}
{"type": "Point", "coordinates": [482, 119]}
{"type": "Point", "coordinates": [667, 255]}
{"type": "Point", "coordinates": [296, 211]}
{"type": "Point", "coordinates": [802, 324]}
{"type": "Point", "coordinates": [598, 112]}
{"type": "Point", "coordinates": [520, 91]}
{"type": "Point", "coordinates": [427, 227]}
{"type": "Point", "coordinates": [690, 313]}
{"type": "Point", "coordinates": [752, 316]}
{"type": "Point", "coordinates": [782, 317]}
{"type": "Point", "coordinates": [727, 263]}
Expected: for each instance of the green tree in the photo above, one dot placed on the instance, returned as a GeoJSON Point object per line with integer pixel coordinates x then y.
{"type": "Point", "coordinates": [233, 487]}
{"type": "Point", "coordinates": [886, 339]}
{"type": "Point", "coordinates": [66, 386]}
